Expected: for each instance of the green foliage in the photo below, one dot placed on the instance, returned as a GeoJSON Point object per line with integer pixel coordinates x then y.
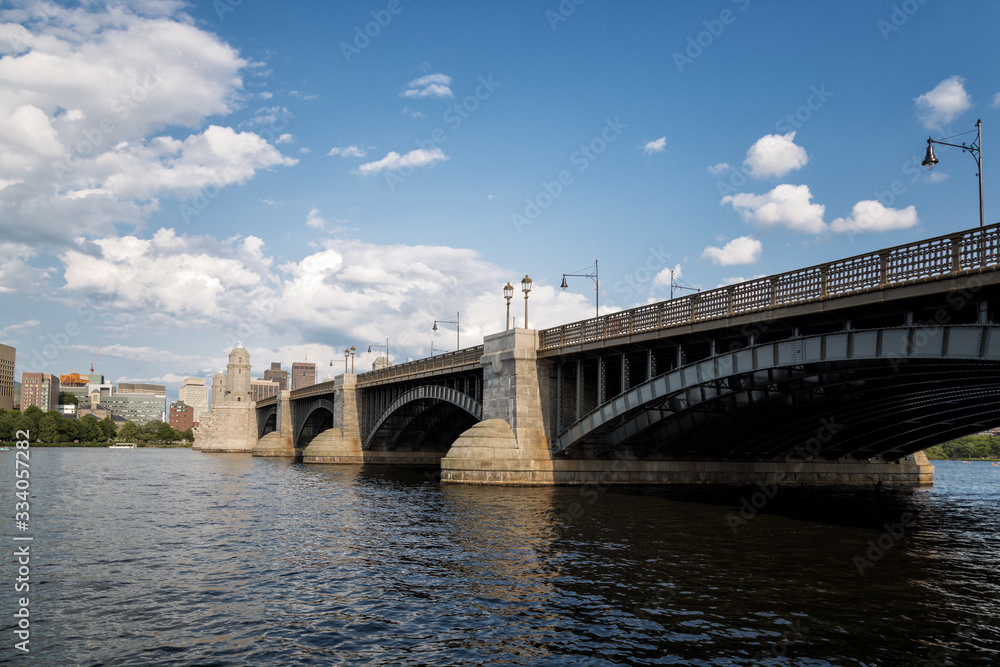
{"type": "Point", "coordinates": [89, 430]}
{"type": "Point", "coordinates": [7, 421]}
{"type": "Point", "coordinates": [108, 428]}
{"type": "Point", "coordinates": [67, 398]}
{"type": "Point", "coordinates": [129, 432]}
{"type": "Point", "coordinates": [48, 429]}
{"type": "Point", "coordinates": [979, 446]}
{"type": "Point", "coordinates": [34, 414]}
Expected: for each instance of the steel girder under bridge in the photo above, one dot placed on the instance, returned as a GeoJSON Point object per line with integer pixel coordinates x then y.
{"type": "Point", "coordinates": [425, 416]}
{"type": "Point", "coordinates": [877, 393]}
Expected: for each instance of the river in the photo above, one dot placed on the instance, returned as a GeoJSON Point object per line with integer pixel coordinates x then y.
{"type": "Point", "coordinates": [174, 557]}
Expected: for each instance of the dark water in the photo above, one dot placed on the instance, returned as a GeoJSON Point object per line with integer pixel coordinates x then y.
{"type": "Point", "coordinates": [178, 557]}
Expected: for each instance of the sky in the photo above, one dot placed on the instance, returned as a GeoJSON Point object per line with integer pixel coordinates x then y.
{"type": "Point", "coordinates": [305, 177]}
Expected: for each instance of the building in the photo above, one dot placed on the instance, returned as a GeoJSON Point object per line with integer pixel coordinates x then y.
{"type": "Point", "coordinates": [41, 389]}
{"type": "Point", "coordinates": [303, 374]}
{"type": "Point", "coordinates": [194, 394]}
{"type": "Point", "coordinates": [181, 416]}
{"type": "Point", "coordinates": [275, 374]}
{"type": "Point", "coordinates": [261, 389]}
{"type": "Point", "coordinates": [73, 379]}
{"type": "Point", "coordinates": [141, 388]}
{"type": "Point", "coordinates": [138, 408]}
{"type": "Point", "coordinates": [17, 395]}
{"type": "Point", "coordinates": [6, 377]}
{"type": "Point", "coordinates": [231, 423]}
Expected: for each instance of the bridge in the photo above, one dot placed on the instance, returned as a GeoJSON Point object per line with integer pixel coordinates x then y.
{"type": "Point", "coordinates": [837, 373]}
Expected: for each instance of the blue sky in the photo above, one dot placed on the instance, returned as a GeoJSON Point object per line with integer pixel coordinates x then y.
{"type": "Point", "coordinates": [175, 177]}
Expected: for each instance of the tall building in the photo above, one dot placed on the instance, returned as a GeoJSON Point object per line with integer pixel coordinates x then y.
{"type": "Point", "coordinates": [261, 389]}
{"type": "Point", "coordinates": [231, 424]}
{"type": "Point", "coordinates": [303, 374]}
{"type": "Point", "coordinates": [181, 416]}
{"type": "Point", "coordinates": [275, 374]}
{"type": "Point", "coordinates": [194, 394]}
{"type": "Point", "coordinates": [73, 379]}
{"type": "Point", "coordinates": [6, 377]}
{"type": "Point", "coordinates": [41, 389]}
{"type": "Point", "coordinates": [137, 408]}
{"type": "Point", "coordinates": [141, 388]}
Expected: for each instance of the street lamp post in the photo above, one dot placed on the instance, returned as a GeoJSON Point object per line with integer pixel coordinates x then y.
{"type": "Point", "coordinates": [386, 346]}
{"type": "Point", "coordinates": [974, 149]}
{"type": "Point", "coordinates": [352, 358]}
{"type": "Point", "coordinates": [526, 287]}
{"type": "Point", "coordinates": [679, 284]}
{"type": "Point", "coordinates": [595, 276]}
{"type": "Point", "coordinates": [508, 293]}
{"type": "Point", "coordinates": [457, 322]}
{"type": "Point", "coordinates": [347, 353]}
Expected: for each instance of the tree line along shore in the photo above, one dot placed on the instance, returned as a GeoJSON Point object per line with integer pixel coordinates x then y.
{"type": "Point", "coordinates": [52, 428]}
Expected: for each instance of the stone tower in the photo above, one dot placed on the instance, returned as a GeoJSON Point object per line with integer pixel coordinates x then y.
{"type": "Point", "coordinates": [218, 388]}
{"type": "Point", "coordinates": [238, 375]}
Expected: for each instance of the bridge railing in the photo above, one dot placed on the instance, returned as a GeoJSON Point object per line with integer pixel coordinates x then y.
{"type": "Point", "coordinates": [440, 362]}
{"type": "Point", "coordinates": [932, 259]}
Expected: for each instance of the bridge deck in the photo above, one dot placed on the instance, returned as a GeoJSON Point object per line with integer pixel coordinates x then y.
{"type": "Point", "coordinates": [929, 261]}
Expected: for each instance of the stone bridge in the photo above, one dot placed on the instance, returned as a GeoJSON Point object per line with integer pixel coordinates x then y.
{"type": "Point", "coordinates": [841, 373]}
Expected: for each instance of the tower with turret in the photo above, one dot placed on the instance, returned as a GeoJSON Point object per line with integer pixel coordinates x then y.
{"type": "Point", "coordinates": [231, 425]}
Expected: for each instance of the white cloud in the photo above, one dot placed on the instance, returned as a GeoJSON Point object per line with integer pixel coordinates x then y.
{"type": "Point", "coordinates": [270, 116]}
{"type": "Point", "coordinates": [872, 216]}
{"type": "Point", "coordinates": [285, 139]}
{"type": "Point", "coordinates": [348, 151]}
{"type": "Point", "coordinates": [996, 100]}
{"type": "Point", "coordinates": [944, 103]}
{"type": "Point", "coordinates": [936, 176]}
{"type": "Point", "coordinates": [662, 279]}
{"type": "Point", "coordinates": [315, 220]}
{"type": "Point", "coordinates": [413, 113]}
{"type": "Point", "coordinates": [655, 146]}
{"type": "Point", "coordinates": [431, 85]}
{"type": "Point", "coordinates": [27, 324]}
{"type": "Point", "coordinates": [719, 168]}
{"type": "Point", "coordinates": [79, 129]}
{"type": "Point", "coordinates": [394, 161]}
{"type": "Point", "coordinates": [787, 206]}
{"type": "Point", "coordinates": [775, 155]}
{"type": "Point", "coordinates": [742, 250]}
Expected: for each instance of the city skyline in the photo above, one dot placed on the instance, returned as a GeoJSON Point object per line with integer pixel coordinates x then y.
{"type": "Point", "coordinates": [178, 178]}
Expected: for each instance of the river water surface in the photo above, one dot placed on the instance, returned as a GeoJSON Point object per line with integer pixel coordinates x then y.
{"type": "Point", "coordinates": [154, 556]}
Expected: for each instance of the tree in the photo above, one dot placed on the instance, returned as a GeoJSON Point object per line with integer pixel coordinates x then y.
{"type": "Point", "coordinates": [33, 413]}
{"type": "Point", "coordinates": [108, 428]}
{"type": "Point", "coordinates": [25, 423]}
{"type": "Point", "coordinates": [89, 431]}
{"type": "Point", "coordinates": [68, 398]}
{"type": "Point", "coordinates": [7, 421]}
{"type": "Point", "coordinates": [69, 430]}
{"type": "Point", "coordinates": [188, 435]}
{"type": "Point", "coordinates": [129, 432]}
{"type": "Point", "coordinates": [166, 433]}
{"type": "Point", "coordinates": [48, 429]}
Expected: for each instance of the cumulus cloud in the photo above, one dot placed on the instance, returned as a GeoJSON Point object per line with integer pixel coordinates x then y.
{"type": "Point", "coordinates": [79, 131]}
{"type": "Point", "coordinates": [872, 216]}
{"type": "Point", "coordinates": [394, 161]}
{"type": "Point", "coordinates": [655, 146]}
{"type": "Point", "coordinates": [719, 168]}
{"type": "Point", "coordinates": [943, 104]}
{"type": "Point", "coordinates": [347, 151]}
{"type": "Point", "coordinates": [662, 279]}
{"type": "Point", "coordinates": [431, 85]}
{"type": "Point", "coordinates": [775, 155]}
{"type": "Point", "coordinates": [742, 250]}
{"type": "Point", "coordinates": [314, 219]}
{"type": "Point", "coordinates": [788, 206]}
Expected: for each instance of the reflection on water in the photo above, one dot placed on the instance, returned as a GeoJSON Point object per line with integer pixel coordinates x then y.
{"type": "Point", "coordinates": [178, 557]}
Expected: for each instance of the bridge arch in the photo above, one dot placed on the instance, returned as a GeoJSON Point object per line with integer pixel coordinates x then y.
{"type": "Point", "coordinates": [428, 395]}
{"type": "Point", "coordinates": [317, 407]}
{"type": "Point", "coordinates": [267, 421]}
{"type": "Point", "coordinates": [891, 392]}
